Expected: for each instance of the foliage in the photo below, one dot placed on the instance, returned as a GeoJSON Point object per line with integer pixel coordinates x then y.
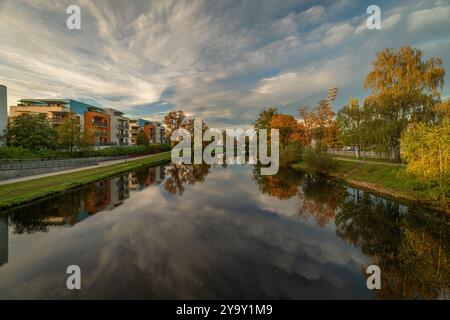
{"type": "Point", "coordinates": [141, 138]}
{"type": "Point", "coordinates": [291, 153]}
{"type": "Point", "coordinates": [318, 162]}
{"type": "Point", "coordinates": [32, 132]}
{"type": "Point", "coordinates": [286, 124]}
{"type": "Point", "coordinates": [318, 124]}
{"type": "Point", "coordinates": [404, 90]}
{"type": "Point", "coordinates": [69, 132]}
{"type": "Point", "coordinates": [264, 119]}
{"type": "Point", "coordinates": [426, 149]}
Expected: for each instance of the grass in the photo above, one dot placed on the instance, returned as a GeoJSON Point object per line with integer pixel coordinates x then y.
{"type": "Point", "coordinates": [384, 179]}
{"type": "Point", "coordinates": [367, 159]}
{"type": "Point", "coordinates": [23, 192]}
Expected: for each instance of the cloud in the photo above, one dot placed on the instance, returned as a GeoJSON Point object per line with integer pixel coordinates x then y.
{"type": "Point", "coordinates": [221, 61]}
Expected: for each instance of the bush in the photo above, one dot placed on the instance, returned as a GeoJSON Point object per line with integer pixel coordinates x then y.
{"type": "Point", "coordinates": [426, 150]}
{"type": "Point", "coordinates": [291, 153]}
{"type": "Point", "coordinates": [318, 162]}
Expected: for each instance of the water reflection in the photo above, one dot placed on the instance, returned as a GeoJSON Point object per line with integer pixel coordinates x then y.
{"type": "Point", "coordinates": [180, 231]}
{"type": "Point", "coordinates": [410, 245]}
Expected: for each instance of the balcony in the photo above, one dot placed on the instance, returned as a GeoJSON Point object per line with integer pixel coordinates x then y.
{"type": "Point", "coordinates": [99, 124]}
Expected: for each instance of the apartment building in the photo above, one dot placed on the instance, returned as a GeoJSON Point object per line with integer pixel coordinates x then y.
{"type": "Point", "coordinates": [55, 110]}
{"type": "Point", "coordinates": [148, 127]}
{"type": "Point", "coordinates": [100, 125]}
{"type": "Point", "coordinates": [134, 130]}
{"type": "Point", "coordinates": [119, 127]}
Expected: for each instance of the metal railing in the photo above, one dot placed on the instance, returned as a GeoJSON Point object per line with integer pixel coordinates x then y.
{"type": "Point", "coordinates": [24, 164]}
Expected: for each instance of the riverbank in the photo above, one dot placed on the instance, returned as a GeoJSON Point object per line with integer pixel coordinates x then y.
{"type": "Point", "coordinates": [383, 179]}
{"type": "Point", "coordinates": [22, 192]}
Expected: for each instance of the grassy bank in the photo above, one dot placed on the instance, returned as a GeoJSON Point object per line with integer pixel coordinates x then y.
{"type": "Point", "coordinates": [22, 192]}
{"type": "Point", "coordinates": [383, 179]}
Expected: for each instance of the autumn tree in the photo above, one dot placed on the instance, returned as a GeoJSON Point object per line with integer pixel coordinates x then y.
{"type": "Point", "coordinates": [404, 90]}
{"type": "Point", "coordinates": [174, 120]}
{"type": "Point", "coordinates": [426, 150]}
{"type": "Point", "coordinates": [352, 125]}
{"type": "Point", "coordinates": [318, 124]}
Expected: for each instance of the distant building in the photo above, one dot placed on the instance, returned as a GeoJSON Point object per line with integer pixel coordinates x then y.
{"type": "Point", "coordinates": [134, 130]}
{"type": "Point", "coordinates": [55, 110]}
{"type": "Point", "coordinates": [119, 127]}
{"type": "Point", "coordinates": [147, 126]}
{"type": "Point", "coordinates": [3, 108]}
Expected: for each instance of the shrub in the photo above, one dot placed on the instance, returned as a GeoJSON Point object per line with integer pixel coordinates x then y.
{"type": "Point", "coordinates": [291, 153]}
{"type": "Point", "coordinates": [318, 162]}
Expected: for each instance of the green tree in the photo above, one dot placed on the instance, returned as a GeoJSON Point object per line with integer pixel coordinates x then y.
{"type": "Point", "coordinates": [32, 132]}
{"type": "Point", "coordinates": [69, 132]}
{"type": "Point", "coordinates": [265, 118]}
{"type": "Point", "coordinates": [353, 124]}
{"type": "Point", "coordinates": [142, 138]}
{"type": "Point", "coordinates": [405, 89]}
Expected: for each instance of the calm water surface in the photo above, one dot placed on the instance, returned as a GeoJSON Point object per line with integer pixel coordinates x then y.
{"type": "Point", "coordinates": [210, 232]}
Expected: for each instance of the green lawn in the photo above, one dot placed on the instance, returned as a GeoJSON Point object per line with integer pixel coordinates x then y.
{"type": "Point", "coordinates": [366, 159]}
{"type": "Point", "coordinates": [21, 192]}
{"type": "Point", "coordinates": [384, 179]}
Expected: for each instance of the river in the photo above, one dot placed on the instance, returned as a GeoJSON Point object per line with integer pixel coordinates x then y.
{"type": "Point", "coordinates": [201, 232]}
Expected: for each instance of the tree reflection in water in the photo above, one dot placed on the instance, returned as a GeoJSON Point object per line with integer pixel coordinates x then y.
{"type": "Point", "coordinates": [178, 175]}
{"type": "Point", "coordinates": [410, 245]}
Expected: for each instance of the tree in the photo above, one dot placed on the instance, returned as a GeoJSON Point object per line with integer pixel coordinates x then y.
{"type": "Point", "coordinates": [404, 90]}
{"type": "Point", "coordinates": [141, 138]}
{"type": "Point", "coordinates": [174, 120]}
{"type": "Point", "coordinates": [69, 132]}
{"type": "Point", "coordinates": [350, 121]}
{"type": "Point", "coordinates": [318, 124]}
{"type": "Point", "coordinates": [265, 118]}
{"type": "Point", "coordinates": [32, 132]}
{"type": "Point", "coordinates": [426, 149]}
{"type": "Point", "coordinates": [88, 139]}
{"type": "Point", "coordinates": [308, 121]}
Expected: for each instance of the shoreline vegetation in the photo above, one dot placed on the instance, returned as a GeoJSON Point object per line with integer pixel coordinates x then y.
{"type": "Point", "coordinates": [383, 179]}
{"type": "Point", "coordinates": [20, 193]}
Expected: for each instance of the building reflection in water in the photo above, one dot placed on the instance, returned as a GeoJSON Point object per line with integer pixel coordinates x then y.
{"type": "Point", "coordinates": [75, 206]}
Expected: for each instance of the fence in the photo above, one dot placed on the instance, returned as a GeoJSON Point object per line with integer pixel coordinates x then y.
{"type": "Point", "coordinates": [363, 154]}
{"type": "Point", "coordinates": [24, 164]}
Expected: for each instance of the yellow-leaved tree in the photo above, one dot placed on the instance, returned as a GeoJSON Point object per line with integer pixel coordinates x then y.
{"type": "Point", "coordinates": [426, 150]}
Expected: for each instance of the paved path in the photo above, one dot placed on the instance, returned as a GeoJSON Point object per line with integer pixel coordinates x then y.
{"type": "Point", "coordinates": [368, 161]}
{"type": "Point", "coordinates": [99, 165]}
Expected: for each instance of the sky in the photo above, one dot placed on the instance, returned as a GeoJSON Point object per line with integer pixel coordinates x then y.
{"type": "Point", "coordinates": [221, 61]}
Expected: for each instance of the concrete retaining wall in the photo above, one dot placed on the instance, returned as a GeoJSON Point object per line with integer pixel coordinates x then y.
{"type": "Point", "coordinates": [22, 168]}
